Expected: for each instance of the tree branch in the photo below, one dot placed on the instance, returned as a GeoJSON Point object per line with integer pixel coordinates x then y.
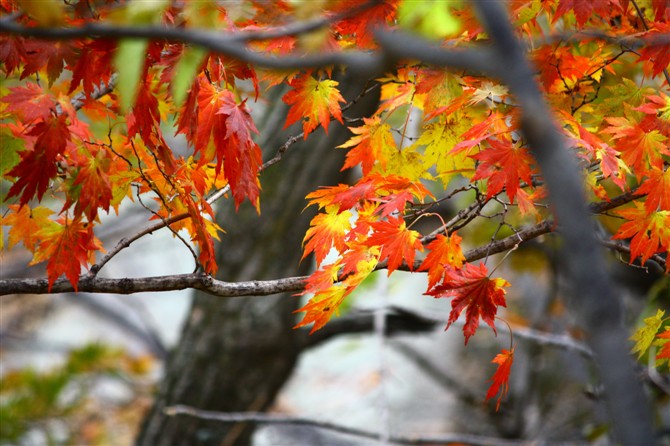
{"type": "Point", "coordinates": [599, 318]}
{"type": "Point", "coordinates": [263, 418]}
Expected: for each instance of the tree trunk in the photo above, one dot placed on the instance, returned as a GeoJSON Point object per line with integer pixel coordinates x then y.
{"type": "Point", "coordinates": [235, 354]}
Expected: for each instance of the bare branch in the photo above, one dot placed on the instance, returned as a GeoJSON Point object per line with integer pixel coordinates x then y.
{"type": "Point", "coordinates": [263, 418]}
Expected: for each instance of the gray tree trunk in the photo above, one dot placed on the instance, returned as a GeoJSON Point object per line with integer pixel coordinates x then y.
{"type": "Point", "coordinates": [235, 354]}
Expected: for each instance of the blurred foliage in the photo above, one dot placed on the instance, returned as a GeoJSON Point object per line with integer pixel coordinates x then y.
{"type": "Point", "coordinates": [50, 405]}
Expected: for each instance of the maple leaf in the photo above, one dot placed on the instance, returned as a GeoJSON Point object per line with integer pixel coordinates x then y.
{"type": "Point", "coordinates": [394, 203]}
{"type": "Point", "coordinates": [504, 166]}
{"type": "Point", "coordinates": [400, 90]}
{"type": "Point", "coordinates": [444, 252]}
{"type": "Point", "coordinates": [397, 243]}
{"type": "Point", "coordinates": [584, 9]}
{"type": "Point", "coordinates": [144, 118]}
{"type": "Point", "coordinates": [369, 143]}
{"type": "Point", "coordinates": [25, 223]}
{"type": "Point", "coordinates": [649, 231]}
{"type": "Point", "coordinates": [471, 287]}
{"type": "Point", "coordinates": [327, 230]}
{"type": "Point", "coordinates": [91, 188]}
{"type": "Point", "coordinates": [658, 55]}
{"type": "Point", "coordinates": [38, 165]}
{"type": "Point", "coordinates": [321, 308]}
{"type": "Point", "coordinates": [94, 65]}
{"type": "Point", "coordinates": [242, 155]}
{"type": "Point", "coordinates": [644, 336]}
{"type": "Point", "coordinates": [322, 279]}
{"type": "Point", "coordinates": [493, 125]}
{"type": "Point", "coordinates": [657, 189]}
{"type": "Point", "coordinates": [501, 376]}
{"type": "Point", "coordinates": [230, 126]}
{"type": "Point", "coordinates": [12, 52]}
{"type": "Point", "coordinates": [314, 101]}
{"type": "Point", "coordinates": [639, 146]}
{"type": "Point", "coordinates": [29, 102]}
{"type": "Point", "coordinates": [67, 246]}
{"type": "Point", "coordinates": [52, 54]}
{"type": "Point", "coordinates": [359, 25]}
{"type": "Point", "coordinates": [663, 341]}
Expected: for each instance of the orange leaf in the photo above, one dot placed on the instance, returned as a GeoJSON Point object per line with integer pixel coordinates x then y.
{"type": "Point", "coordinates": [397, 243]}
{"type": "Point", "coordinates": [322, 306]}
{"type": "Point", "coordinates": [25, 224]}
{"type": "Point", "coordinates": [501, 377]}
{"type": "Point", "coordinates": [640, 144]}
{"type": "Point", "coordinates": [445, 252]}
{"type": "Point", "coordinates": [649, 232]}
{"type": "Point", "coordinates": [657, 188]}
{"type": "Point", "coordinates": [368, 144]}
{"type": "Point", "coordinates": [471, 287]}
{"type": "Point", "coordinates": [313, 100]}
{"type": "Point", "coordinates": [327, 230]}
{"type": "Point", "coordinates": [67, 245]}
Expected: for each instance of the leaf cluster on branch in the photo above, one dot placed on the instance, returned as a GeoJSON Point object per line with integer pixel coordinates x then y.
{"type": "Point", "coordinates": [92, 89]}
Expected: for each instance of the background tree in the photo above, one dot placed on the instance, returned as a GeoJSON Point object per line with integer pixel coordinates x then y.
{"type": "Point", "coordinates": [487, 143]}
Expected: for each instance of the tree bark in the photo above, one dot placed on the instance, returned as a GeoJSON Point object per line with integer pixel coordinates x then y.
{"type": "Point", "coordinates": [235, 354]}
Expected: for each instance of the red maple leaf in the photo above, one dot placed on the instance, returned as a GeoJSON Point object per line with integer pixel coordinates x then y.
{"type": "Point", "coordinates": [664, 352]}
{"type": "Point", "coordinates": [314, 101]}
{"type": "Point", "coordinates": [38, 164]}
{"type": "Point", "coordinates": [397, 243]}
{"type": "Point", "coordinates": [649, 231]}
{"type": "Point", "coordinates": [504, 166]}
{"type": "Point", "coordinates": [657, 189]}
{"type": "Point", "coordinates": [29, 102]}
{"type": "Point", "coordinates": [444, 253]}
{"type": "Point", "coordinates": [359, 25]}
{"type": "Point", "coordinates": [640, 143]}
{"type": "Point", "coordinates": [94, 65]}
{"type": "Point", "coordinates": [67, 246]}
{"type": "Point", "coordinates": [242, 155]}
{"type": "Point", "coordinates": [658, 55]}
{"type": "Point", "coordinates": [12, 52]}
{"type": "Point", "coordinates": [91, 188]}
{"type": "Point", "coordinates": [221, 119]}
{"type": "Point", "coordinates": [144, 118]}
{"type": "Point", "coordinates": [584, 9]}
{"type": "Point", "coordinates": [501, 377]}
{"type": "Point", "coordinates": [53, 55]}
{"type": "Point", "coordinates": [471, 288]}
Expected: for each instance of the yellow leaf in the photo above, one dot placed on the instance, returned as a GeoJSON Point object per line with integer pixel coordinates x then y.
{"type": "Point", "coordinates": [644, 336]}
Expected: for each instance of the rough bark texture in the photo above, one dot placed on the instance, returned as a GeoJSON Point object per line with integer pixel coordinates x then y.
{"type": "Point", "coordinates": [235, 354]}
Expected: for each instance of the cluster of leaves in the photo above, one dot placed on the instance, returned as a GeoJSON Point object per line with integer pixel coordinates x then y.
{"type": "Point", "coordinates": [32, 400]}
{"type": "Point", "coordinates": [73, 145]}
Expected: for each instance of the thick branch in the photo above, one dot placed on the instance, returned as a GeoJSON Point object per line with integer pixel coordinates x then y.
{"type": "Point", "coordinates": [599, 317]}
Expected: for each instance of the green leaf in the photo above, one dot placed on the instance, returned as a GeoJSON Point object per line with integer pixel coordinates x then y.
{"type": "Point", "coordinates": [430, 18]}
{"type": "Point", "coordinates": [129, 62]}
{"type": "Point", "coordinates": [185, 72]}
{"type": "Point", "coordinates": [11, 147]}
{"type": "Point", "coordinates": [644, 336]}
